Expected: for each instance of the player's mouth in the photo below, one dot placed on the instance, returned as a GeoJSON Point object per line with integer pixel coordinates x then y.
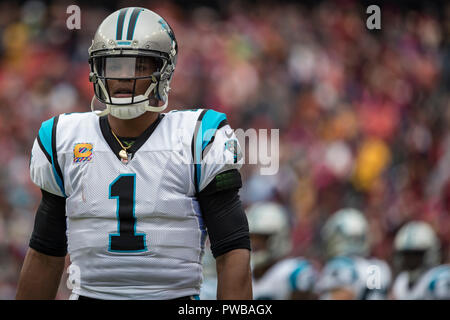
{"type": "Point", "coordinates": [122, 93]}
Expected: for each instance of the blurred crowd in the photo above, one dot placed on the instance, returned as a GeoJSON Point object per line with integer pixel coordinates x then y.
{"type": "Point", "coordinates": [363, 115]}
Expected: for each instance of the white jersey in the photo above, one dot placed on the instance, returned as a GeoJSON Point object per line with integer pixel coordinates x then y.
{"type": "Point", "coordinates": [432, 285]}
{"type": "Point", "coordinates": [284, 278]}
{"type": "Point", "coordinates": [368, 279]}
{"type": "Point", "coordinates": [134, 229]}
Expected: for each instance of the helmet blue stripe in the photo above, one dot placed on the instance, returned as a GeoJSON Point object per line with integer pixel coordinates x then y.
{"type": "Point", "coordinates": [120, 21]}
{"type": "Point", "coordinates": [132, 23]}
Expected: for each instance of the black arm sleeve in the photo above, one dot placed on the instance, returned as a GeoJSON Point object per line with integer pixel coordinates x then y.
{"type": "Point", "coordinates": [49, 233]}
{"type": "Point", "coordinates": [222, 211]}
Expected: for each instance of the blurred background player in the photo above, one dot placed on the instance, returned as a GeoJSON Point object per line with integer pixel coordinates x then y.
{"type": "Point", "coordinates": [416, 263]}
{"type": "Point", "coordinates": [275, 275]}
{"type": "Point", "coordinates": [348, 273]}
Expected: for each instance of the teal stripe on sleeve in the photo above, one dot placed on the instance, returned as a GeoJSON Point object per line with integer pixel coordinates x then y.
{"type": "Point", "coordinates": [45, 134]}
{"type": "Point", "coordinates": [206, 131]}
{"type": "Point", "coordinates": [210, 122]}
{"type": "Point", "coordinates": [294, 275]}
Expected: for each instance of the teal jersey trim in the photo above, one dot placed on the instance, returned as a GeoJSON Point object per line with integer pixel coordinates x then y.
{"type": "Point", "coordinates": [45, 134]}
{"type": "Point", "coordinates": [206, 130]}
{"type": "Point", "coordinates": [210, 123]}
{"type": "Point", "coordinates": [343, 262]}
{"type": "Point", "coordinates": [48, 142]}
{"type": "Point", "coordinates": [439, 273]}
{"type": "Point", "coordinates": [294, 275]}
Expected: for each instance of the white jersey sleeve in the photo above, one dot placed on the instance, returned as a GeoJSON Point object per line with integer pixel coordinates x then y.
{"type": "Point", "coordinates": [377, 279]}
{"type": "Point", "coordinates": [434, 284]}
{"type": "Point", "coordinates": [340, 272]}
{"type": "Point", "coordinates": [439, 287]}
{"type": "Point", "coordinates": [215, 148]}
{"type": "Point", "coordinates": [45, 171]}
{"type": "Point", "coordinates": [284, 278]}
{"type": "Point", "coordinates": [368, 279]}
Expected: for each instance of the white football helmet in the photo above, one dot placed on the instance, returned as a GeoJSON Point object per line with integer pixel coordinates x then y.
{"type": "Point", "coordinates": [269, 219]}
{"type": "Point", "coordinates": [417, 242]}
{"type": "Point", "coordinates": [126, 37]}
{"type": "Point", "coordinates": [346, 234]}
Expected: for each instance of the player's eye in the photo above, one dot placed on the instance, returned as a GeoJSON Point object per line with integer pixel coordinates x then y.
{"type": "Point", "coordinates": [113, 67]}
{"type": "Point", "coordinates": [143, 67]}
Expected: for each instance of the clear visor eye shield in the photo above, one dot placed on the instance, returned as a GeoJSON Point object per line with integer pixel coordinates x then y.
{"type": "Point", "coordinates": [126, 82]}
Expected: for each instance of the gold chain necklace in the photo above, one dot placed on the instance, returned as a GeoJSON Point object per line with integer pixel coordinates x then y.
{"type": "Point", "coordinates": [122, 153]}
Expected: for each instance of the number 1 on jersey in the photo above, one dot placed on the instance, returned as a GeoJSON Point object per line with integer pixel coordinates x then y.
{"type": "Point", "coordinates": [126, 240]}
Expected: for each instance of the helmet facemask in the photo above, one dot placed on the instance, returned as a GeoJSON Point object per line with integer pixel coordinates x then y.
{"type": "Point", "coordinates": [129, 84]}
{"type": "Point", "coordinates": [417, 248]}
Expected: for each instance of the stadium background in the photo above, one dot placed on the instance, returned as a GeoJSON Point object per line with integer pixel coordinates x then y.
{"type": "Point", "coordinates": [364, 116]}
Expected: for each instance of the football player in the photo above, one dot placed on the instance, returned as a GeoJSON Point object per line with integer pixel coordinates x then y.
{"type": "Point", "coordinates": [130, 192]}
{"type": "Point", "coordinates": [416, 260]}
{"type": "Point", "coordinates": [276, 276]}
{"type": "Point", "coordinates": [348, 273]}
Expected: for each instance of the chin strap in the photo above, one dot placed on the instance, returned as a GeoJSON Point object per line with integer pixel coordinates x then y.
{"type": "Point", "coordinates": [99, 113]}
{"type": "Point", "coordinates": [105, 92]}
{"type": "Point", "coordinates": [157, 109]}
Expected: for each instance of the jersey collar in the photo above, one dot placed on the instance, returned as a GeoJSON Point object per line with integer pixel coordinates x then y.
{"type": "Point", "coordinates": [115, 146]}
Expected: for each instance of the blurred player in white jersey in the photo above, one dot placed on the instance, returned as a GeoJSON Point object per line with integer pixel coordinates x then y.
{"type": "Point", "coordinates": [275, 275]}
{"type": "Point", "coordinates": [131, 192]}
{"type": "Point", "coordinates": [348, 273]}
{"type": "Point", "coordinates": [416, 262]}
